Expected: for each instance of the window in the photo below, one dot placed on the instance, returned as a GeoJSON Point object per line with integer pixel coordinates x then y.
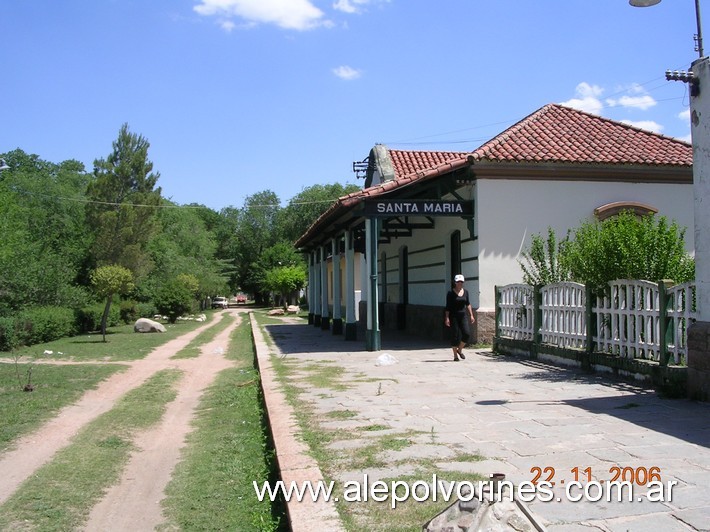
{"type": "Point", "coordinates": [612, 209]}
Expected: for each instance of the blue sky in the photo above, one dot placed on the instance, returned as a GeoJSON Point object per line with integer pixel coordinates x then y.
{"type": "Point", "coordinates": [241, 96]}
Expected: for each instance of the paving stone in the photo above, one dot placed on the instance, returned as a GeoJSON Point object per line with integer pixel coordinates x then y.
{"type": "Point", "coordinates": [518, 414]}
{"type": "Point", "coordinates": [664, 522]}
{"type": "Point", "coordinates": [698, 518]}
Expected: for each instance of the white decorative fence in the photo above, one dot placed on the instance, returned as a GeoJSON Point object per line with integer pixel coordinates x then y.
{"type": "Point", "coordinates": [628, 320]}
{"type": "Point", "coordinates": [680, 310]}
{"type": "Point", "coordinates": [515, 317]}
{"type": "Point", "coordinates": [637, 320]}
{"type": "Point", "coordinates": [564, 322]}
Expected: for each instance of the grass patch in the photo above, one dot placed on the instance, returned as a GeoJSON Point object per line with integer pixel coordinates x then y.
{"type": "Point", "coordinates": [212, 488]}
{"type": "Point", "coordinates": [193, 349]}
{"type": "Point", "coordinates": [297, 375]}
{"type": "Point", "coordinates": [54, 388]}
{"type": "Point", "coordinates": [341, 414]}
{"type": "Point", "coordinates": [325, 375]}
{"type": "Point", "coordinates": [121, 344]}
{"type": "Point", "coordinates": [375, 427]}
{"type": "Point", "coordinates": [368, 456]}
{"type": "Point", "coordinates": [409, 515]}
{"type": "Point", "coordinates": [60, 495]}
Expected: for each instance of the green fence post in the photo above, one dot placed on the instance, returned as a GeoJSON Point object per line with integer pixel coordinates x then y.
{"type": "Point", "coordinates": [664, 331]}
{"type": "Point", "coordinates": [497, 312]}
{"type": "Point", "coordinates": [537, 320]}
{"type": "Point", "coordinates": [590, 323]}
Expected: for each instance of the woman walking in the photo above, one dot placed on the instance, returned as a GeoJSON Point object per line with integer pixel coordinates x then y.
{"type": "Point", "coordinates": [458, 317]}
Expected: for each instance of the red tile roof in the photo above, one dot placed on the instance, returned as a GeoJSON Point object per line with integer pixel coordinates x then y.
{"type": "Point", "coordinates": [556, 133]}
{"type": "Point", "coordinates": [410, 162]}
{"type": "Point", "coordinates": [410, 166]}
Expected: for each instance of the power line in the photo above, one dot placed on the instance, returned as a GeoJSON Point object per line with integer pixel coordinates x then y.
{"type": "Point", "coordinates": [161, 206]}
{"type": "Point", "coordinates": [413, 141]}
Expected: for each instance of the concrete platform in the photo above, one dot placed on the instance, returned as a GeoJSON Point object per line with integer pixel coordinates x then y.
{"type": "Point", "coordinates": [527, 419]}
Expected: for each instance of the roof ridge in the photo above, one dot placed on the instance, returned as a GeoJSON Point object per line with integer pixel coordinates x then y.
{"type": "Point", "coordinates": [557, 132]}
{"type": "Point", "coordinates": [508, 132]}
{"type": "Point", "coordinates": [617, 122]}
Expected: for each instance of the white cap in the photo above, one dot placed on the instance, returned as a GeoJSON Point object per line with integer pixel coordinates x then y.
{"type": "Point", "coordinates": [458, 278]}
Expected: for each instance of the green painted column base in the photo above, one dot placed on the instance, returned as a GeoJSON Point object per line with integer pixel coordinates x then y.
{"type": "Point", "coordinates": [351, 331]}
{"type": "Point", "coordinates": [372, 340]}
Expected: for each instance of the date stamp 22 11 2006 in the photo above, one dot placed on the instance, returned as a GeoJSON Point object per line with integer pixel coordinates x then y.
{"type": "Point", "coordinates": [582, 483]}
{"type": "Point", "coordinates": [635, 475]}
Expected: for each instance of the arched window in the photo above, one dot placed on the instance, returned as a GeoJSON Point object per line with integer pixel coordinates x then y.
{"type": "Point", "coordinates": [612, 209]}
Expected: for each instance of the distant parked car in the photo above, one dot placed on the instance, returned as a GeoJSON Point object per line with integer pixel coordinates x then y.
{"type": "Point", "coordinates": [241, 298]}
{"type": "Point", "coordinates": [220, 302]}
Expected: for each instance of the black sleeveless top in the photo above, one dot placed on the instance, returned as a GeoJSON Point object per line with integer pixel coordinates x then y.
{"type": "Point", "coordinates": [456, 303]}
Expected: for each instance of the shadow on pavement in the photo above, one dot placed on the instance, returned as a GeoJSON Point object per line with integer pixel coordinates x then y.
{"type": "Point", "coordinates": [637, 404]}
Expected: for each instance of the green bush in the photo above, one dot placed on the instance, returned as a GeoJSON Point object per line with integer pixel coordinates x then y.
{"type": "Point", "coordinates": [44, 324]}
{"type": "Point", "coordinates": [625, 246]}
{"type": "Point", "coordinates": [129, 311]}
{"type": "Point", "coordinates": [175, 300]}
{"type": "Point", "coordinates": [147, 310]}
{"type": "Point", "coordinates": [9, 334]}
{"type": "Point", "coordinates": [544, 261]}
{"type": "Point", "coordinates": [88, 319]}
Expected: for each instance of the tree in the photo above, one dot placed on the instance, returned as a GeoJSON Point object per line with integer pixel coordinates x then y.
{"type": "Point", "coordinates": [256, 230]}
{"type": "Point", "coordinates": [306, 206]}
{"type": "Point", "coordinates": [184, 245]}
{"type": "Point", "coordinates": [44, 244]}
{"type": "Point", "coordinates": [285, 280]}
{"type": "Point", "coordinates": [107, 282]}
{"type": "Point", "coordinates": [175, 298]}
{"type": "Point", "coordinates": [122, 211]}
{"type": "Point", "coordinates": [274, 259]}
{"type": "Point", "coordinates": [228, 248]}
{"type": "Point", "coordinates": [625, 246]}
{"type": "Point", "coordinates": [280, 254]}
{"type": "Point", "coordinates": [544, 262]}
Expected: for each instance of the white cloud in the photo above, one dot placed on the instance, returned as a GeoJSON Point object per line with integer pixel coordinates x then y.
{"type": "Point", "coordinates": [637, 98]}
{"type": "Point", "coordinates": [346, 72]}
{"type": "Point", "coordinates": [227, 25]}
{"type": "Point", "coordinates": [345, 6]}
{"type": "Point", "coordinates": [649, 125]}
{"type": "Point", "coordinates": [587, 98]}
{"type": "Point", "coordinates": [287, 14]}
{"type": "Point", "coordinates": [637, 102]}
{"type": "Point", "coordinates": [685, 117]}
{"type": "Point", "coordinates": [354, 6]}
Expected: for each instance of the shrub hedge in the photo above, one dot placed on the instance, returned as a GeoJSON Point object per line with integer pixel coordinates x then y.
{"type": "Point", "coordinates": [36, 325]}
{"type": "Point", "coordinates": [88, 319]}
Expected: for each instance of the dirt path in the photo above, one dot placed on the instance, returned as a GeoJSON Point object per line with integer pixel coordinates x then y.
{"type": "Point", "coordinates": [133, 503]}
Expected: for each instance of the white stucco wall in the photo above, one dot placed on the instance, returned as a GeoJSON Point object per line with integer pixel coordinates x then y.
{"type": "Point", "coordinates": [428, 256]}
{"type": "Point", "coordinates": [510, 211]}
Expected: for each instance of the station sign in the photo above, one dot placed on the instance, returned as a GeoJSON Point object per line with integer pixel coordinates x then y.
{"type": "Point", "coordinates": [411, 207]}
